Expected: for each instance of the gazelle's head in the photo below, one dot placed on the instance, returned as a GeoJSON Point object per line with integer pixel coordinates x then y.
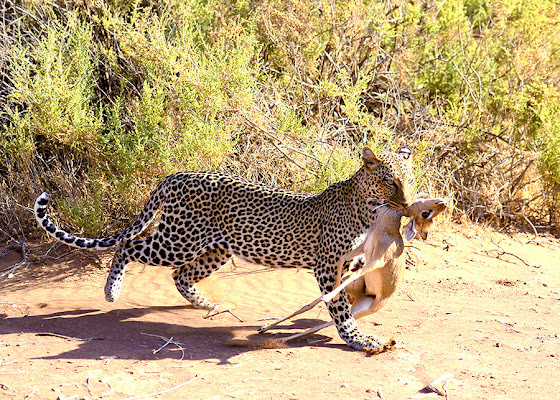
{"type": "Point", "coordinates": [421, 214]}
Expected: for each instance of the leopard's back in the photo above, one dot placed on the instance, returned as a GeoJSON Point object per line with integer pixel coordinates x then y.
{"type": "Point", "coordinates": [260, 223]}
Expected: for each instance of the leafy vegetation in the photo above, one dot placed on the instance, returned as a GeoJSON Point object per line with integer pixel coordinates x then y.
{"type": "Point", "coordinates": [101, 99]}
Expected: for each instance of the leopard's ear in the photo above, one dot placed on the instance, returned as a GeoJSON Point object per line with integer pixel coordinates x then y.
{"type": "Point", "coordinates": [371, 161]}
{"type": "Point", "coordinates": [405, 152]}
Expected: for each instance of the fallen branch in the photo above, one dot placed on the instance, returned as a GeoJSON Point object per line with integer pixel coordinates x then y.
{"type": "Point", "coordinates": [167, 340]}
{"type": "Point", "coordinates": [221, 312]}
{"type": "Point", "coordinates": [102, 381]}
{"type": "Point", "coordinates": [536, 278]}
{"type": "Point", "coordinates": [8, 249]}
{"type": "Point", "coordinates": [532, 226]}
{"type": "Point", "coordinates": [88, 387]}
{"type": "Point", "coordinates": [30, 394]}
{"type": "Point", "coordinates": [69, 338]}
{"type": "Point", "coordinates": [500, 252]}
{"type": "Point", "coordinates": [163, 345]}
{"type": "Point", "coordinates": [105, 394]}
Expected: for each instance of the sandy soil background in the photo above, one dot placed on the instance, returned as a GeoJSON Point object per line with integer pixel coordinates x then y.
{"type": "Point", "coordinates": [480, 305]}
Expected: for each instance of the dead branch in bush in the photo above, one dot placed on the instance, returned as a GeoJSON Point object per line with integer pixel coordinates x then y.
{"type": "Point", "coordinates": [8, 272]}
{"type": "Point", "coordinates": [543, 194]}
{"type": "Point", "coordinates": [530, 223]}
{"type": "Point", "coordinates": [273, 138]}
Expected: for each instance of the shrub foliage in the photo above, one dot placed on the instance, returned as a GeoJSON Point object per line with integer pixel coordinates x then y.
{"type": "Point", "coordinates": [102, 98]}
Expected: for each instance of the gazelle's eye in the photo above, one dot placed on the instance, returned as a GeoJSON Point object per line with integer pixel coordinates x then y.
{"type": "Point", "coordinates": [426, 214]}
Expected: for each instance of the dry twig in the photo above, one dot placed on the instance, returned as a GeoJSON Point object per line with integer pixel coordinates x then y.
{"type": "Point", "coordinates": [167, 390]}
{"type": "Point", "coordinates": [88, 387]}
{"type": "Point", "coordinates": [163, 345]}
{"type": "Point", "coordinates": [105, 394]}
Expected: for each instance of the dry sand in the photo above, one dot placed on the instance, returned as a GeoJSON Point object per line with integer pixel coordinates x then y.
{"type": "Point", "coordinates": [470, 306]}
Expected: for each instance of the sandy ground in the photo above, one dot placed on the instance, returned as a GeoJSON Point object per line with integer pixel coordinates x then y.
{"type": "Point", "coordinates": [470, 306]}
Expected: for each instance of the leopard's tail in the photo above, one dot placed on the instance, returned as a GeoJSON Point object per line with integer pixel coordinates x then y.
{"type": "Point", "coordinates": [146, 216]}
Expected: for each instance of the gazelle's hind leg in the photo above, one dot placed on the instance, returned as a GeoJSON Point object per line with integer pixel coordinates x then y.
{"type": "Point", "coordinates": [188, 275]}
{"type": "Point", "coordinates": [347, 257]}
{"type": "Point", "coordinates": [333, 295]}
{"type": "Point", "coordinates": [353, 276]}
{"type": "Point", "coordinates": [300, 311]}
{"type": "Point", "coordinates": [308, 332]}
{"type": "Point", "coordinates": [309, 306]}
{"type": "Point", "coordinates": [363, 306]}
{"type": "Point", "coordinates": [375, 263]}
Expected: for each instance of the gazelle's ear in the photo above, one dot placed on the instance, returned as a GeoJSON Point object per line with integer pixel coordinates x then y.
{"type": "Point", "coordinates": [371, 161]}
{"type": "Point", "coordinates": [410, 230]}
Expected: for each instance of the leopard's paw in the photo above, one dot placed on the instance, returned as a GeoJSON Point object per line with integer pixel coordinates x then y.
{"type": "Point", "coordinates": [364, 342]}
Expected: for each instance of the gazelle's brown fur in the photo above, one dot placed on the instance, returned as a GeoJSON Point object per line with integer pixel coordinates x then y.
{"type": "Point", "coordinates": [383, 248]}
{"type": "Point", "coordinates": [371, 286]}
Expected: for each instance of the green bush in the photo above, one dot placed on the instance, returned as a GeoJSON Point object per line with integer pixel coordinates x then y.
{"type": "Point", "coordinates": [102, 100]}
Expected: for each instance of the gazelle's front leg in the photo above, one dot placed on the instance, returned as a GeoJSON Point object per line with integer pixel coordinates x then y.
{"type": "Point", "coordinates": [373, 264]}
{"type": "Point", "coordinates": [339, 309]}
{"type": "Point", "coordinates": [347, 257]}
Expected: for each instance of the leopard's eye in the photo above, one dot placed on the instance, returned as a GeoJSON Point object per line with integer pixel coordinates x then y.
{"type": "Point", "coordinates": [391, 183]}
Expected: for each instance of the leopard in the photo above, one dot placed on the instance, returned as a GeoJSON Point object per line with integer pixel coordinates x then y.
{"type": "Point", "coordinates": [209, 217]}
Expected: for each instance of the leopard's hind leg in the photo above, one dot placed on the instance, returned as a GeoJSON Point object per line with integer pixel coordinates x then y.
{"type": "Point", "coordinates": [188, 275]}
{"type": "Point", "coordinates": [154, 250]}
{"type": "Point", "coordinates": [116, 274]}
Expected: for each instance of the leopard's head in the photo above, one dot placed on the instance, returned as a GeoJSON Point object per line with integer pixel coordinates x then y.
{"type": "Point", "coordinates": [388, 176]}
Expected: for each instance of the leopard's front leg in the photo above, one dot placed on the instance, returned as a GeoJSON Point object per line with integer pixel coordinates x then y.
{"type": "Point", "coordinates": [325, 273]}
